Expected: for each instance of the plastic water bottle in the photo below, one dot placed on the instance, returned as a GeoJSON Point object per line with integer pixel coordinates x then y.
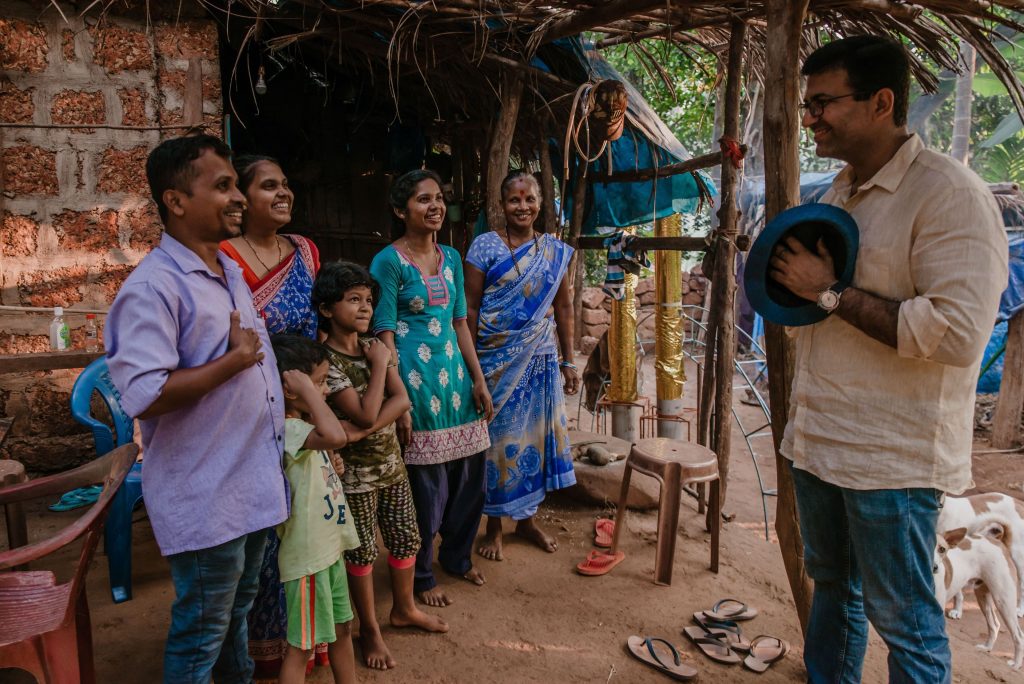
{"type": "Point", "coordinates": [60, 336]}
{"type": "Point", "coordinates": [92, 334]}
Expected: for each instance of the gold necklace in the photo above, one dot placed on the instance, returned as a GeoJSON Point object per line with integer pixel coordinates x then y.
{"type": "Point", "coordinates": [437, 257]}
{"type": "Point", "coordinates": [511, 249]}
{"type": "Point", "coordinates": [277, 242]}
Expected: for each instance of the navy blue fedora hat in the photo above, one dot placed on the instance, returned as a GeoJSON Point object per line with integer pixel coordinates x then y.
{"type": "Point", "coordinates": [807, 223]}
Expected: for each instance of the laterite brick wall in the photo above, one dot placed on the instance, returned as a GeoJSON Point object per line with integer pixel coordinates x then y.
{"type": "Point", "coordinates": [76, 214]}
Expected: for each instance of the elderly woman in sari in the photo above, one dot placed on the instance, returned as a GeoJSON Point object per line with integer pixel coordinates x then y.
{"type": "Point", "coordinates": [279, 269]}
{"type": "Point", "coordinates": [514, 276]}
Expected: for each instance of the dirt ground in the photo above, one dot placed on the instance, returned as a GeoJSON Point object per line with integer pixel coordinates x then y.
{"type": "Point", "coordinates": [536, 620]}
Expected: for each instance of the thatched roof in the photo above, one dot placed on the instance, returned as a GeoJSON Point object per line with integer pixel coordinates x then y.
{"type": "Point", "coordinates": [444, 57]}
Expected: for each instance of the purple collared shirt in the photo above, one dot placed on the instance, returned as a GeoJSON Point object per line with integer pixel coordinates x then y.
{"type": "Point", "coordinates": [213, 470]}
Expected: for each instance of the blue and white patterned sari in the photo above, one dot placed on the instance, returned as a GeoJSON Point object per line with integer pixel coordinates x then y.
{"type": "Point", "coordinates": [516, 343]}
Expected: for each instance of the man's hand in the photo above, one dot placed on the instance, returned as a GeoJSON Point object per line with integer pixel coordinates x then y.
{"type": "Point", "coordinates": [801, 271]}
{"type": "Point", "coordinates": [244, 343]}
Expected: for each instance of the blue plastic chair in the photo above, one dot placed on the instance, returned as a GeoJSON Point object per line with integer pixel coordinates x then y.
{"type": "Point", "coordinates": [117, 542]}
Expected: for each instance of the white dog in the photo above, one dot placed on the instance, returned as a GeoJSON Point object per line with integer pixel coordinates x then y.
{"type": "Point", "coordinates": [982, 560]}
{"type": "Point", "coordinates": [969, 513]}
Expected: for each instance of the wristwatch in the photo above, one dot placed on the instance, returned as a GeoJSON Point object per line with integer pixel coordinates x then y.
{"type": "Point", "coordinates": [828, 299]}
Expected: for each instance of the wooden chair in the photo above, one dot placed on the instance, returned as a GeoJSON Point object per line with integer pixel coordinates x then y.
{"type": "Point", "coordinates": [673, 464]}
{"type": "Point", "coordinates": [44, 626]}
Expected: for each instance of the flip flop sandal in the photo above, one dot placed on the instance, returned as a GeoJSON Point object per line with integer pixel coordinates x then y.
{"type": "Point", "coordinates": [603, 531]}
{"type": "Point", "coordinates": [728, 609]}
{"type": "Point", "coordinates": [598, 563]}
{"type": "Point", "coordinates": [643, 650]}
{"type": "Point", "coordinates": [765, 650]}
{"type": "Point", "coordinates": [728, 629]}
{"type": "Point", "coordinates": [77, 498]}
{"type": "Point", "coordinates": [713, 646]}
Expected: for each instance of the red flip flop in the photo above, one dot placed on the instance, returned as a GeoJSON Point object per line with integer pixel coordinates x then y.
{"type": "Point", "coordinates": [599, 563]}
{"type": "Point", "coordinates": [604, 528]}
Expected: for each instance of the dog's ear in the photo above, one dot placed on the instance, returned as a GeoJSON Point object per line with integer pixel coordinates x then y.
{"type": "Point", "coordinates": [954, 537]}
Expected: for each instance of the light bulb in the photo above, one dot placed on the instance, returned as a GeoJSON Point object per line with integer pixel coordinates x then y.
{"type": "Point", "coordinates": [261, 84]}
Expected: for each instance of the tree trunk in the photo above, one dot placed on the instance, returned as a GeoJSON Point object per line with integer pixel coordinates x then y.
{"type": "Point", "coordinates": [782, 190]}
{"type": "Point", "coordinates": [964, 97]}
{"type": "Point", "coordinates": [724, 284]}
{"type": "Point", "coordinates": [501, 145]}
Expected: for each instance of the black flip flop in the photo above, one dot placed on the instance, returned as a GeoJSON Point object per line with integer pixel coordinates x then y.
{"type": "Point", "coordinates": [729, 609]}
{"type": "Point", "coordinates": [727, 628]}
{"type": "Point", "coordinates": [642, 649]}
{"type": "Point", "coordinates": [765, 650]}
{"type": "Point", "coordinates": [713, 646]}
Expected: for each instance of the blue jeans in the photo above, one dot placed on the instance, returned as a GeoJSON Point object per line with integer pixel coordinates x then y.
{"type": "Point", "coordinates": [870, 556]}
{"type": "Point", "coordinates": [214, 589]}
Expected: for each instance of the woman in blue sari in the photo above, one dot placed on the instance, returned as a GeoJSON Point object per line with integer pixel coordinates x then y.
{"type": "Point", "coordinates": [514, 278]}
{"type": "Point", "coordinates": [279, 269]}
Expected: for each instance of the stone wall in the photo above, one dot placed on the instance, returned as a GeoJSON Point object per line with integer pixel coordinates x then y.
{"type": "Point", "coordinates": [597, 307]}
{"type": "Point", "coordinates": [75, 213]}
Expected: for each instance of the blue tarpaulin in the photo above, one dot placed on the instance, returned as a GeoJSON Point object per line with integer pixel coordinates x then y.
{"type": "Point", "coordinates": [645, 143]}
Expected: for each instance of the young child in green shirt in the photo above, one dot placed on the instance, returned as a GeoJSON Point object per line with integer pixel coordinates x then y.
{"type": "Point", "coordinates": [320, 526]}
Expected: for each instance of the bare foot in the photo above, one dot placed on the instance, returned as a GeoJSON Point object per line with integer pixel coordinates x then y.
{"type": "Point", "coordinates": [375, 653]}
{"type": "Point", "coordinates": [434, 597]}
{"type": "Point", "coordinates": [475, 576]}
{"type": "Point", "coordinates": [417, 618]}
{"type": "Point", "coordinates": [490, 547]}
{"type": "Point", "coordinates": [527, 529]}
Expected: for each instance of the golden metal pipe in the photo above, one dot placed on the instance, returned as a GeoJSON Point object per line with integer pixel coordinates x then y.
{"type": "Point", "coordinates": [668, 288]}
{"type": "Point", "coordinates": [622, 344]}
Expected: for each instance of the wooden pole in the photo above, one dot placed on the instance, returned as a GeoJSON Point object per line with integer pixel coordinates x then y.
{"type": "Point", "coordinates": [705, 161]}
{"type": "Point", "coordinates": [723, 289]}
{"type": "Point", "coordinates": [501, 146]}
{"type": "Point", "coordinates": [782, 190]}
{"type": "Point", "coordinates": [579, 200]}
{"type": "Point", "coordinates": [1006, 423]}
{"type": "Point", "coordinates": [547, 178]}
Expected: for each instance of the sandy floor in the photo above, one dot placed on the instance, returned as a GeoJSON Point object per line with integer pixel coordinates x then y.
{"type": "Point", "coordinates": [536, 620]}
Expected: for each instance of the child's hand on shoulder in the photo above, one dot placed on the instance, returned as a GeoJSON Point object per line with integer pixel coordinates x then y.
{"type": "Point", "coordinates": [377, 353]}
{"type": "Point", "coordinates": [298, 383]}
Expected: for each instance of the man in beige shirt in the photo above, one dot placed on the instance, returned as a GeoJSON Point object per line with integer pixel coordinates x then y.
{"type": "Point", "coordinates": [883, 390]}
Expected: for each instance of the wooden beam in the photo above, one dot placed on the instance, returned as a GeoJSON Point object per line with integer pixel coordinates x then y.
{"type": "Point", "coordinates": [23, 363]}
{"type": "Point", "coordinates": [685, 243]}
{"type": "Point", "coordinates": [1006, 422]}
{"type": "Point", "coordinates": [586, 19]}
{"type": "Point", "coordinates": [192, 108]}
{"type": "Point", "coordinates": [547, 177]}
{"type": "Point", "coordinates": [501, 145]}
{"type": "Point", "coordinates": [579, 205]}
{"type": "Point", "coordinates": [705, 161]}
{"type": "Point", "coordinates": [723, 288]}
{"type": "Point", "coordinates": [781, 134]}
{"type": "Point", "coordinates": [534, 72]}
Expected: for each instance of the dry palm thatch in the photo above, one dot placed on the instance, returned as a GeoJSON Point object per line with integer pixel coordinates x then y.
{"type": "Point", "coordinates": [444, 56]}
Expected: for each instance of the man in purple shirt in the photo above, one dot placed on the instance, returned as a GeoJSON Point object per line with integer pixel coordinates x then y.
{"type": "Point", "coordinates": [193, 362]}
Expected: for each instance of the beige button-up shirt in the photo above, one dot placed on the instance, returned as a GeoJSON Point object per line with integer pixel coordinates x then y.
{"type": "Point", "coordinates": [867, 416]}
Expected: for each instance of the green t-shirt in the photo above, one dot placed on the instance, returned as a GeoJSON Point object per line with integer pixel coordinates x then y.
{"type": "Point", "coordinates": [320, 526]}
{"type": "Point", "coordinates": [374, 462]}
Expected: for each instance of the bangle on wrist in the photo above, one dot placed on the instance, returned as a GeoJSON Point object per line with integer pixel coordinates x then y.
{"type": "Point", "coordinates": [566, 364]}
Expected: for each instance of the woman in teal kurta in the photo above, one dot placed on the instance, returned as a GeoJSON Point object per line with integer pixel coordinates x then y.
{"type": "Point", "coordinates": [421, 313]}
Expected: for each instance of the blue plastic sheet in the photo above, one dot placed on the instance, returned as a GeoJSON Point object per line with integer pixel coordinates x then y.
{"type": "Point", "coordinates": [1013, 295]}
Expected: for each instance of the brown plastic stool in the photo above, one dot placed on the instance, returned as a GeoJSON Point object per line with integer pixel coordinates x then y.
{"type": "Point", "coordinates": [673, 464]}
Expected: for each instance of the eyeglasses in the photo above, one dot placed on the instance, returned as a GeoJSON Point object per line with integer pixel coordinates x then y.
{"type": "Point", "coordinates": [816, 105]}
